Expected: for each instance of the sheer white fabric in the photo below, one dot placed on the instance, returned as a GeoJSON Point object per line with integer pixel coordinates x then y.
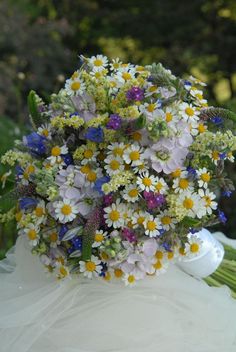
{"type": "Point", "coordinates": [173, 312]}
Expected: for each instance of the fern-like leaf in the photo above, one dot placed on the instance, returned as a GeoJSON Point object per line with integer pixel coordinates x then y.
{"type": "Point", "coordinates": [212, 112]}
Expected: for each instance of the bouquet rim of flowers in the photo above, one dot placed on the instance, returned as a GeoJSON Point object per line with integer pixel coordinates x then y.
{"type": "Point", "coordinates": [121, 171]}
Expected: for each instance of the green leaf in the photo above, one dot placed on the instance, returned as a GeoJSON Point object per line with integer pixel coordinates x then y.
{"type": "Point", "coordinates": [221, 112]}
{"type": "Point", "coordinates": [35, 115]}
{"type": "Point", "coordinates": [140, 122]}
{"type": "Point", "coordinates": [187, 221]}
{"type": "Point", "coordinates": [7, 201]}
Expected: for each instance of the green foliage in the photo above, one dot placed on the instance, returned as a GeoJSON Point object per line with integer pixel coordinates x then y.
{"type": "Point", "coordinates": [35, 115]}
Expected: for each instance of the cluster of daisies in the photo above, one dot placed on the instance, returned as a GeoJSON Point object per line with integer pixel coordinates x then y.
{"type": "Point", "coordinates": [121, 171]}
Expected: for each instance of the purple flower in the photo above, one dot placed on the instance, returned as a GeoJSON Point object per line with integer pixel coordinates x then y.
{"type": "Point", "coordinates": [222, 217]}
{"type": "Point", "coordinates": [108, 199]}
{"type": "Point", "coordinates": [227, 193]}
{"type": "Point", "coordinates": [94, 134]}
{"type": "Point", "coordinates": [154, 200]}
{"type": "Point", "coordinates": [114, 122]}
{"type": "Point", "coordinates": [135, 93]}
{"type": "Point", "coordinates": [129, 235]}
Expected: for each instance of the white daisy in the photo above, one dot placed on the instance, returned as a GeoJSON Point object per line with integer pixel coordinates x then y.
{"type": "Point", "coordinates": [192, 203]}
{"type": "Point", "coordinates": [142, 168]}
{"type": "Point", "coordinates": [99, 237]}
{"type": "Point", "coordinates": [194, 245]}
{"type": "Point", "coordinates": [125, 74]}
{"type": "Point", "coordinates": [138, 218]}
{"type": "Point", "coordinates": [188, 112]}
{"type": "Point", "coordinates": [54, 239]}
{"type": "Point", "coordinates": [208, 198]}
{"type": "Point", "coordinates": [151, 110]}
{"type": "Point", "coordinates": [160, 185]}
{"type": "Point", "coordinates": [56, 153]}
{"type": "Point", "coordinates": [131, 193]}
{"type": "Point", "coordinates": [27, 173]}
{"type": "Point", "coordinates": [91, 267]}
{"type": "Point", "coordinates": [39, 213]}
{"type": "Point", "coordinates": [62, 271]}
{"type": "Point", "coordinates": [91, 176]}
{"type": "Point", "coordinates": [66, 210]}
{"type": "Point", "coordinates": [198, 95]}
{"type": "Point", "coordinates": [98, 62]}
{"type": "Point", "coordinates": [114, 165]}
{"type": "Point", "coordinates": [160, 266]}
{"type": "Point", "coordinates": [150, 90]}
{"type": "Point", "coordinates": [146, 182]}
{"type": "Point", "coordinates": [114, 215]}
{"type": "Point", "coordinates": [129, 280]}
{"type": "Point", "coordinates": [133, 155]}
{"type": "Point", "coordinates": [74, 86]}
{"type": "Point", "coordinates": [204, 177]}
{"type": "Point", "coordinates": [116, 149]}
{"type": "Point", "coordinates": [182, 183]}
{"type": "Point", "coordinates": [115, 64]}
{"type": "Point", "coordinates": [166, 220]}
{"type": "Point", "coordinates": [152, 226]}
{"type": "Point", "coordinates": [89, 155]}
{"type": "Point", "coordinates": [32, 233]}
{"type": "Point", "coordinates": [45, 131]}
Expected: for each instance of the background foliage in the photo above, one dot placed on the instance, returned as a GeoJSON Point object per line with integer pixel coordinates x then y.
{"type": "Point", "coordinates": [40, 41]}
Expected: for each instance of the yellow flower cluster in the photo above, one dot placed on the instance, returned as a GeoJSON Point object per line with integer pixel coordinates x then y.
{"type": "Point", "coordinates": [176, 209]}
{"type": "Point", "coordinates": [61, 122]}
{"type": "Point", "coordinates": [118, 180]}
{"type": "Point", "coordinates": [97, 121]}
{"type": "Point", "coordinates": [12, 156]}
{"type": "Point", "coordinates": [8, 216]}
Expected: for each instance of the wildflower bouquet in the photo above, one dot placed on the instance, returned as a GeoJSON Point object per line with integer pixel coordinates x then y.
{"type": "Point", "coordinates": [122, 169]}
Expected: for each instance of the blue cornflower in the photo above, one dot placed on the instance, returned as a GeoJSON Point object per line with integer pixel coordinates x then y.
{"type": "Point", "coordinates": [222, 156]}
{"type": "Point", "coordinates": [68, 159]}
{"type": "Point", "coordinates": [94, 134]}
{"type": "Point", "coordinates": [36, 143]}
{"type": "Point", "coordinates": [27, 202]}
{"type": "Point", "coordinates": [222, 217]}
{"type": "Point", "coordinates": [77, 243]}
{"type": "Point", "coordinates": [187, 83]}
{"type": "Point", "coordinates": [227, 193]}
{"type": "Point", "coordinates": [166, 246]}
{"type": "Point", "coordinates": [192, 173]}
{"type": "Point", "coordinates": [217, 120]}
{"type": "Point", "coordinates": [62, 231]}
{"type": "Point", "coordinates": [100, 182]}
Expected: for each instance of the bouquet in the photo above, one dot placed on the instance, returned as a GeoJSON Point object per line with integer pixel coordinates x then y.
{"type": "Point", "coordinates": [123, 167]}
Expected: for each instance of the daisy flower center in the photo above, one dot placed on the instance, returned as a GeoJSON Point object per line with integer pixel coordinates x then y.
{"type": "Point", "coordinates": [183, 183]}
{"type": "Point", "coordinates": [30, 169]}
{"type": "Point", "coordinates": [188, 203]}
{"type": "Point", "coordinates": [118, 273]}
{"type": "Point", "coordinates": [32, 234]}
{"type": "Point", "coordinates": [147, 181]}
{"type": "Point", "coordinates": [157, 265]}
{"type": "Point", "coordinates": [151, 107]}
{"type": "Point", "coordinates": [114, 215]}
{"type": "Point", "coordinates": [182, 251]}
{"type": "Point", "coordinates": [194, 248]}
{"type": "Point", "coordinates": [98, 62]}
{"type": "Point", "coordinates": [136, 136]}
{"type": "Point", "coordinates": [189, 111]}
{"type": "Point", "coordinates": [98, 237]}
{"type": "Point", "coordinates": [53, 237]}
{"type": "Point", "coordinates": [166, 220]}
{"type": "Point", "coordinates": [205, 177]}
{"type": "Point", "coordinates": [118, 151]}
{"type": "Point", "coordinates": [159, 255]}
{"type": "Point", "coordinates": [215, 155]}
{"type": "Point", "coordinates": [63, 271]}
{"type": "Point", "coordinates": [151, 225]}
{"type": "Point", "coordinates": [114, 164]}
{"type": "Point", "coordinates": [88, 153]}
{"type": "Point", "coordinates": [39, 211]}
{"type": "Point", "coordinates": [75, 86]}
{"type": "Point", "coordinates": [208, 201]}
{"type": "Point", "coordinates": [90, 266]}
{"type": "Point", "coordinates": [176, 173]}
{"type": "Point", "coordinates": [85, 169]}
{"type": "Point", "coordinates": [91, 176]}
{"type": "Point", "coordinates": [170, 255]}
{"type": "Point", "coordinates": [159, 186]}
{"type": "Point", "coordinates": [169, 117]}
{"type": "Point", "coordinates": [66, 209]}
{"type": "Point", "coordinates": [133, 193]}
{"type": "Point", "coordinates": [56, 151]}
{"type": "Point", "coordinates": [45, 133]}
{"type": "Point", "coordinates": [131, 279]}
{"type": "Point", "coordinates": [126, 76]}
{"type": "Point", "coordinates": [134, 155]}
{"type": "Point", "coordinates": [140, 220]}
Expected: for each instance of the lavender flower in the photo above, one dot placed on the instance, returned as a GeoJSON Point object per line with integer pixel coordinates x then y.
{"type": "Point", "coordinates": [135, 93]}
{"type": "Point", "coordinates": [129, 235]}
{"type": "Point", "coordinates": [114, 122]}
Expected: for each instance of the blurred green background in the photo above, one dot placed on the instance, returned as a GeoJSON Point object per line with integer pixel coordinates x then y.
{"type": "Point", "coordinates": [40, 41]}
